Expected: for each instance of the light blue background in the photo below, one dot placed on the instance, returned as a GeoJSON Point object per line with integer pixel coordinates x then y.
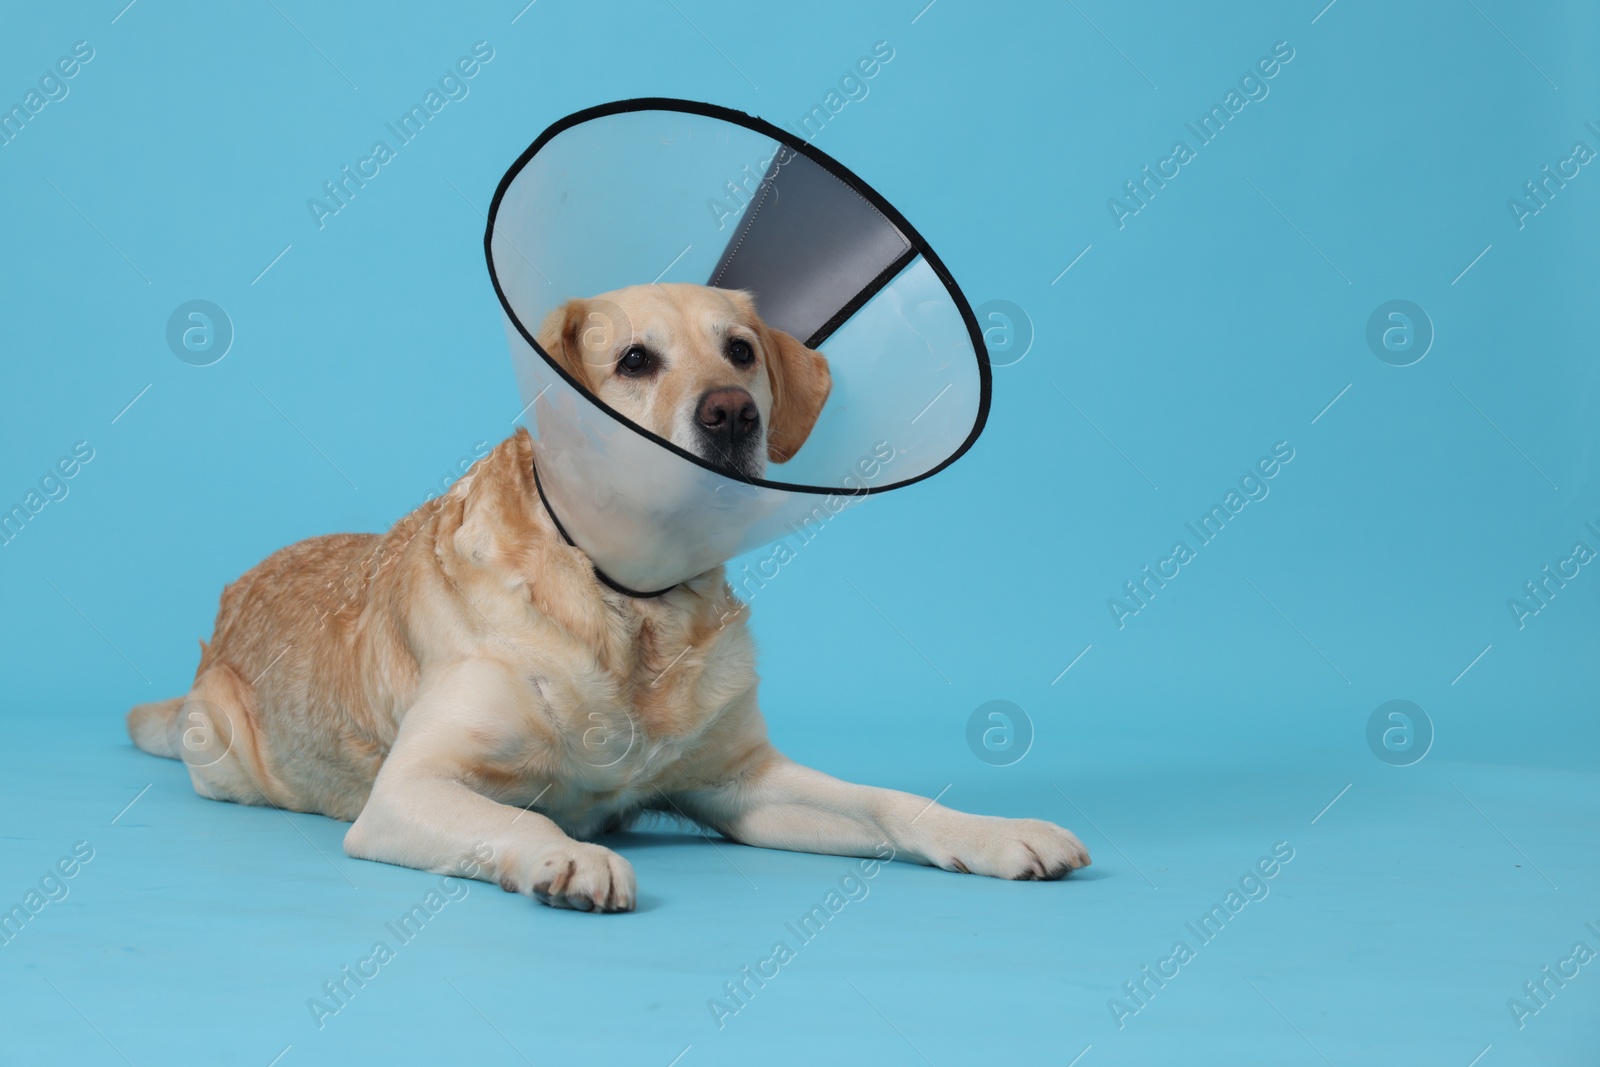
{"type": "Point", "coordinates": [1223, 718]}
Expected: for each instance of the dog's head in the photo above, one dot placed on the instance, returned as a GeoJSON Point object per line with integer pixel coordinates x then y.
{"type": "Point", "coordinates": [694, 365]}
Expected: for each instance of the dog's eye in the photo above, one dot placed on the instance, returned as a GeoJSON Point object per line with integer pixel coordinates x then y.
{"type": "Point", "coordinates": [740, 354]}
{"type": "Point", "coordinates": [636, 361]}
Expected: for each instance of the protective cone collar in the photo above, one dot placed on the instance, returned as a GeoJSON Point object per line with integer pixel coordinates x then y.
{"type": "Point", "coordinates": [645, 190]}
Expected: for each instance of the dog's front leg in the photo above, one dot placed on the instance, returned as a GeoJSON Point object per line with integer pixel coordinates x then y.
{"type": "Point", "coordinates": [774, 802]}
{"type": "Point", "coordinates": [421, 813]}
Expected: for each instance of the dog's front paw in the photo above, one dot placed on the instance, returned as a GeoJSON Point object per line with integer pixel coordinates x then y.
{"type": "Point", "coordinates": [572, 874]}
{"type": "Point", "coordinates": [1019, 849]}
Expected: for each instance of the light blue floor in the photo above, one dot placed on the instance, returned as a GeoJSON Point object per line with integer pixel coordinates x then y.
{"type": "Point", "coordinates": [1413, 908]}
{"type": "Point", "coordinates": [1145, 363]}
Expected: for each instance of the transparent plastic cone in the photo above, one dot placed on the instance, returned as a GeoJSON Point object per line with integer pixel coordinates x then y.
{"type": "Point", "coordinates": [643, 191]}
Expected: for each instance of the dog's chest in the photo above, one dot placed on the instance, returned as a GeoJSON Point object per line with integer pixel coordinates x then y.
{"type": "Point", "coordinates": [606, 764]}
{"type": "Point", "coordinates": [611, 741]}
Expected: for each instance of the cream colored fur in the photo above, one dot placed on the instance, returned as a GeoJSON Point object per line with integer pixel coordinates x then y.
{"type": "Point", "coordinates": [463, 686]}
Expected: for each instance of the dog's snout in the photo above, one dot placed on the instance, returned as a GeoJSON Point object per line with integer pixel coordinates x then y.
{"type": "Point", "coordinates": [730, 416]}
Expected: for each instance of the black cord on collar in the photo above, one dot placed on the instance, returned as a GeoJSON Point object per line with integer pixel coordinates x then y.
{"type": "Point", "coordinates": [598, 573]}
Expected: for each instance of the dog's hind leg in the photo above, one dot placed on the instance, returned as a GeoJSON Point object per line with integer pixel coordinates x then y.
{"type": "Point", "coordinates": [217, 736]}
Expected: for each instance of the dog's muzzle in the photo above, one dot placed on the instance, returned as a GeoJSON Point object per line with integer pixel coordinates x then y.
{"type": "Point", "coordinates": [728, 427]}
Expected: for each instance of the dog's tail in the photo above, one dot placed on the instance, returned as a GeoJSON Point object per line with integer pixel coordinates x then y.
{"type": "Point", "coordinates": [154, 727]}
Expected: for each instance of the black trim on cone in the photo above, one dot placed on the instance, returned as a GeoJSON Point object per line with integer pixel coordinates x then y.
{"type": "Point", "coordinates": [750, 122]}
{"type": "Point", "coordinates": [857, 302]}
{"type": "Point", "coordinates": [605, 579]}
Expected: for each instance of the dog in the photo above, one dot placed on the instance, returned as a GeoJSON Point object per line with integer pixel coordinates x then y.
{"type": "Point", "coordinates": [468, 694]}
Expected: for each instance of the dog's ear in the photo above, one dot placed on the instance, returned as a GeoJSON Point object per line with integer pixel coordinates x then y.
{"type": "Point", "coordinates": [800, 386]}
{"type": "Point", "coordinates": [562, 337]}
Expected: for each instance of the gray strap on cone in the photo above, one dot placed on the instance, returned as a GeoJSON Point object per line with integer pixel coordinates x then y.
{"type": "Point", "coordinates": [810, 249]}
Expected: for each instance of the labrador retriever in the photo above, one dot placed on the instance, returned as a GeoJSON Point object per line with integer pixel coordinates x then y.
{"type": "Point", "coordinates": [468, 693]}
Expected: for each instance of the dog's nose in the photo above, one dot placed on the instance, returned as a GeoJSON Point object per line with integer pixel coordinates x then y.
{"type": "Point", "coordinates": [728, 416]}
